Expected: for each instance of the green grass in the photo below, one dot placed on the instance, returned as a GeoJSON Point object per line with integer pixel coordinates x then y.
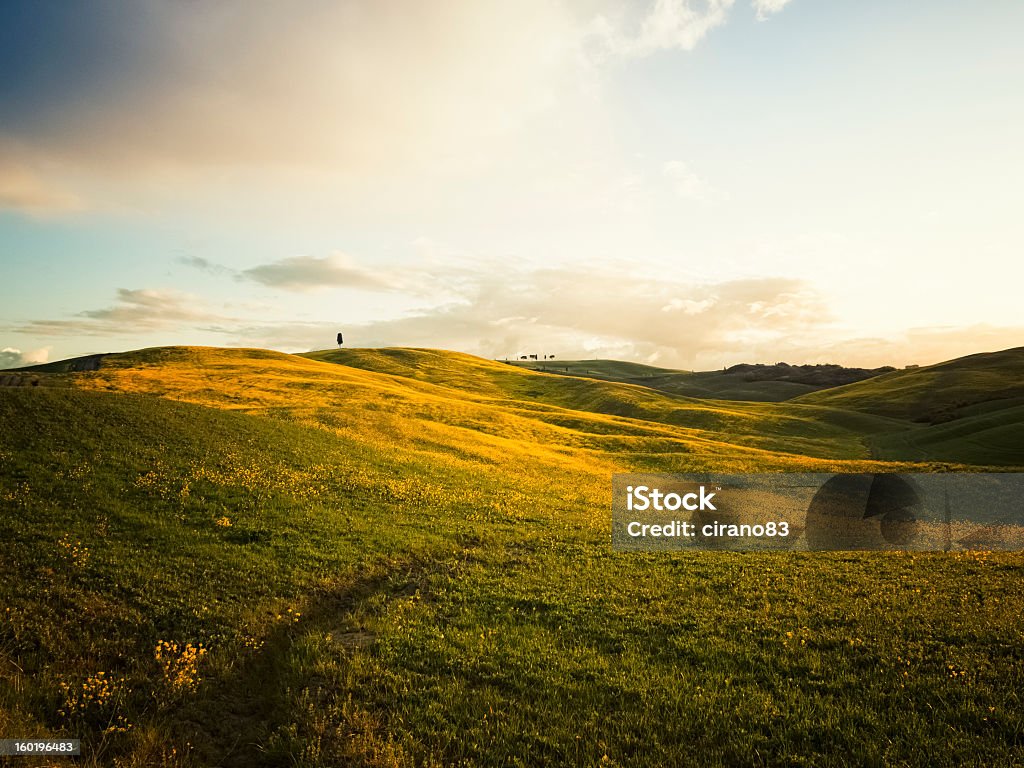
{"type": "Point", "coordinates": [993, 438]}
{"type": "Point", "coordinates": [417, 571]}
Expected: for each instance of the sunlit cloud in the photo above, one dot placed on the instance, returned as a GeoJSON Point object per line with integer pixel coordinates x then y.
{"type": "Point", "coordinates": [481, 166]}
{"type": "Point", "coordinates": [505, 313]}
{"type": "Point", "coordinates": [607, 313]}
{"type": "Point", "coordinates": [926, 345]}
{"type": "Point", "coordinates": [136, 311]}
{"type": "Point", "coordinates": [362, 87]}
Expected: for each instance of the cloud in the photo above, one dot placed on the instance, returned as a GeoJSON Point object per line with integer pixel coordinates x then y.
{"type": "Point", "coordinates": [668, 25]}
{"type": "Point", "coordinates": [676, 24]}
{"type": "Point", "coordinates": [205, 265]}
{"type": "Point", "coordinates": [308, 273]}
{"type": "Point", "coordinates": [363, 89]}
{"type": "Point", "coordinates": [613, 314]}
{"type": "Point", "coordinates": [11, 358]}
{"type": "Point", "coordinates": [135, 311]}
{"type": "Point", "coordinates": [698, 326]}
{"type": "Point", "coordinates": [365, 86]}
{"type": "Point", "coordinates": [600, 312]}
{"type": "Point", "coordinates": [15, 358]}
{"type": "Point", "coordinates": [766, 8]}
{"type": "Point", "coordinates": [689, 306]}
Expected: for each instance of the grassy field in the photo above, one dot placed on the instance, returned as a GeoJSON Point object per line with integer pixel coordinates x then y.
{"type": "Point", "coordinates": [401, 557]}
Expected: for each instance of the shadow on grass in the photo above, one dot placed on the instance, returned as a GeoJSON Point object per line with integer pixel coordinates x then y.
{"type": "Point", "coordinates": [249, 716]}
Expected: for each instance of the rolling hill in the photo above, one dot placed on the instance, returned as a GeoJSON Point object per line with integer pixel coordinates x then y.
{"type": "Point", "coordinates": [758, 383]}
{"type": "Point", "coordinates": [936, 393]}
{"type": "Point", "coordinates": [806, 430]}
{"type": "Point", "coordinates": [401, 557]}
{"type": "Point", "coordinates": [971, 408]}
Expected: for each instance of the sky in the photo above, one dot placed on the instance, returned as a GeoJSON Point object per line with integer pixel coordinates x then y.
{"type": "Point", "coordinates": [687, 183]}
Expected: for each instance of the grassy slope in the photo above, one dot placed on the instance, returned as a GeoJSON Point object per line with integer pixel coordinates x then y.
{"type": "Point", "coordinates": [807, 430]}
{"type": "Point", "coordinates": [447, 550]}
{"type": "Point", "coordinates": [995, 438]}
{"type": "Point", "coordinates": [721, 385]}
{"type": "Point", "coordinates": [970, 408]}
{"type": "Point", "coordinates": [936, 392]}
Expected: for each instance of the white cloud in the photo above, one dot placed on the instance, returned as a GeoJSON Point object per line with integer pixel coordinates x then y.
{"type": "Point", "coordinates": [41, 355]}
{"type": "Point", "coordinates": [689, 306]}
{"type": "Point", "coordinates": [668, 25]}
{"type": "Point", "coordinates": [766, 8]}
{"type": "Point", "coordinates": [606, 312]}
{"type": "Point", "coordinates": [309, 273]}
{"type": "Point", "coordinates": [319, 103]}
{"type": "Point", "coordinates": [15, 358]}
{"type": "Point", "coordinates": [923, 345]}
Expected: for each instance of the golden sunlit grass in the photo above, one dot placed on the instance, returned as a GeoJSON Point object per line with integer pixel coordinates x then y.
{"type": "Point", "coordinates": [454, 406]}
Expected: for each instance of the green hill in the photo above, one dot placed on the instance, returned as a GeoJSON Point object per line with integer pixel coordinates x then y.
{"type": "Point", "coordinates": [936, 393]}
{"type": "Point", "coordinates": [612, 370]}
{"type": "Point", "coordinates": [84, 363]}
{"type": "Point", "coordinates": [401, 557]}
{"type": "Point", "coordinates": [995, 439]}
{"type": "Point", "coordinates": [971, 408]}
{"type": "Point", "coordinates": [758, 383]}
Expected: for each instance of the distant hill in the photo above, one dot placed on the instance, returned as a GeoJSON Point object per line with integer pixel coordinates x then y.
{"type": "Point", "coordinates": [971, 408]}
{"type": "Point", "coordinates": [938, 393]}
{"type": "Point", "coordinates": [84, 363]}
{"type": "Point", "coordinates": [754, 382]}
{"type": "Point", "coordinates": [968, 411]}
